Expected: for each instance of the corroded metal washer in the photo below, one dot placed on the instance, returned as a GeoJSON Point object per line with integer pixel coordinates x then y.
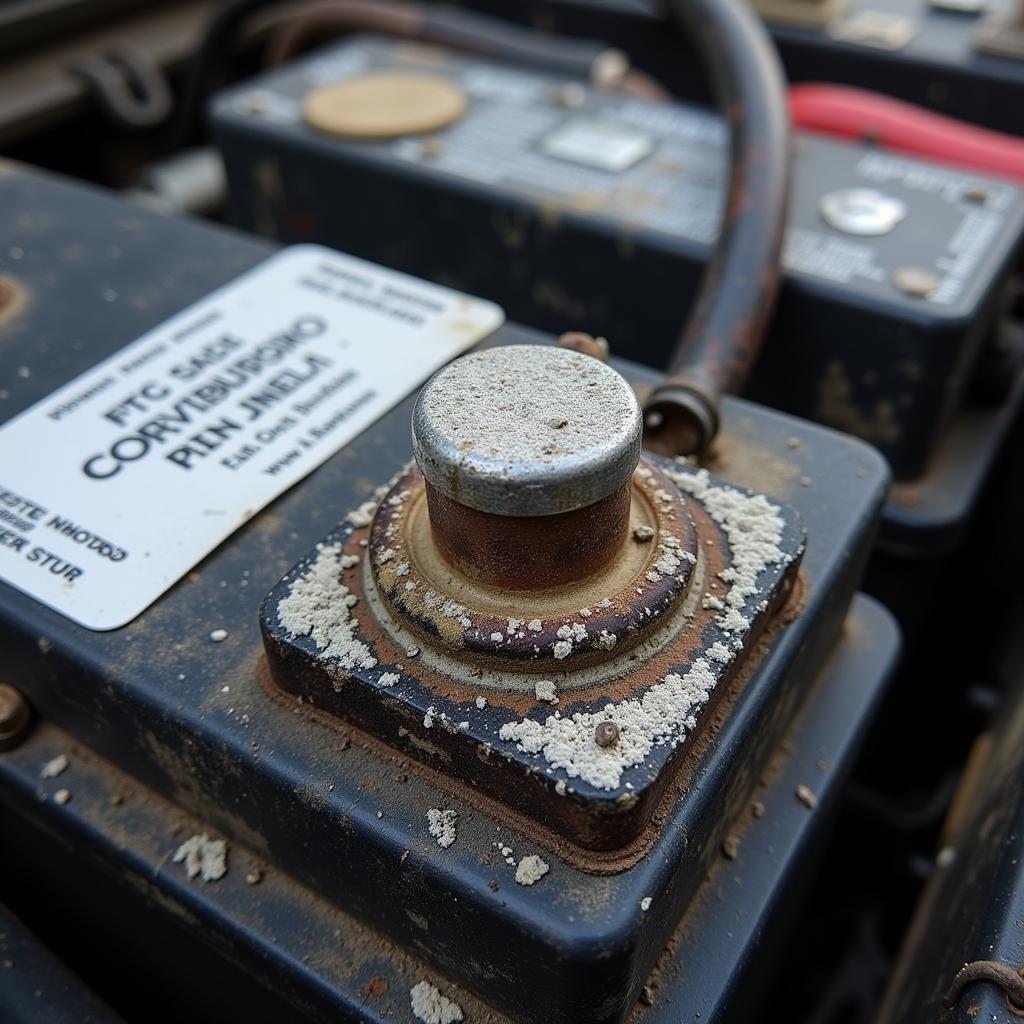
{"type": "Point", "coordinates": [554, 630]}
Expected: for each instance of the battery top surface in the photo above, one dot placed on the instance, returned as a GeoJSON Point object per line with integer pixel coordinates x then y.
{"type": "Point", "coordinates": [179, 696]}
{"type": "Point", "coordinates": [926, 241]}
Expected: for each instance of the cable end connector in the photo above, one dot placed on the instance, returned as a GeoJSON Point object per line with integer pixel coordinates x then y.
{"type": "Point", "coordinates": [681, 417]}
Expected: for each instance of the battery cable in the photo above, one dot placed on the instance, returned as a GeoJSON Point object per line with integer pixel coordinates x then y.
{"type": "Point", "coordinates": [904, 128]}
{"type": "Point", "coordinates": [721, 338]}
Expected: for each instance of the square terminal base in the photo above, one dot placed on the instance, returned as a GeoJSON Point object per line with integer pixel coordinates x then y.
{"type": "Point", "coordinates": [484, 726]}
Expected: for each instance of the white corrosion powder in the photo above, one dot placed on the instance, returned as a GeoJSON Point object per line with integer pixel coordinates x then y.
{"type": "Point", "coordinates": [53, 768]}
{"type": "Point", "coordinates": [442, 826]}
{"type": "Point", "coordinates": [545, 691]}
{"type": "Point", "coordinates": [531, 869]}
{"type": "Point", "coordinates": [203, 856]}
{"type": "Point", "coordinates": [523, 405]}
{"type": "Point", "coordinates": [719, 652]}
{"type": "Point", "coordinates": [363, 515]}
{"type": "Point", "coordinates": [317, 606]}
{"type": "Point", "coordinates": [429, 1006]}
{"type": "Point", "coordinates": [667, 711]}
{"type": "Point", "coordinates": [753, 528]}
{"type": "Point", "coordinates": [562, 649]}
{"type": "Point", "coordinates": [389, 679]}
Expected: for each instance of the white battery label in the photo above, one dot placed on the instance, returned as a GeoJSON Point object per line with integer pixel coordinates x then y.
{"type": "Point", "coordinates": [115, 486]}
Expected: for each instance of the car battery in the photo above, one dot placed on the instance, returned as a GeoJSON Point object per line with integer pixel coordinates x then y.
{"type": "Point", "coordinates": [962, 58]}
{"type": "Point", "coordinates": [596, 211]}
{"type": "Point", "coordinates": [332, 703]}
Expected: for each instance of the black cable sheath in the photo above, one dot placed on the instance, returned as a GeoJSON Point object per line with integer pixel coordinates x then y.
{"type": "Point", "coordinates": [721, 339]}
{"type": "Point", "coordinates": [492, 37]}
{"type": "Point", "coordinates": [220, 30]}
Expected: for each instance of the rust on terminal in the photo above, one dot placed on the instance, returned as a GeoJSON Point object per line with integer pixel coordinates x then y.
{"type": "Point", "coordinates": [530, 552]}
{"type": "Point", "coordinates": [528, 454]}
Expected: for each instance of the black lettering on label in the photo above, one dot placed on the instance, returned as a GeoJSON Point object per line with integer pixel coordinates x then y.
{"type": "Point", "coordinates": [55, 565]}
{"type": "Point", "coordinates": [209, 355]}
{"type": "Point", "coordinates": [199, 445]}
{"type": "Point", "coordinates": [20, 505]}
{"type": "Point", "coordinates": [282, 385]}
{"type": "Point", "coordinates": [137, 402]}
{"type": "Point", "coordinates": [12, 540]}
{"type": "Point", "coordinates": [238, 459]}
{"type": "Point", "coordinates": [86, 538]}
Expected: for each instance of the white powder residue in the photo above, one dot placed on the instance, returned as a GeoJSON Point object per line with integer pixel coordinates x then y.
{"type": "Point", "coordinates": [53, 768]}
{"type": "Point", "coordinates": [363, 515]}
{"type": "Point", "coordinates": [389, 679]}
{"type": "Point", "coordinates": [719, 652]}
{"type": "Point", "coordinates": [667, 711]}
{"type": "Point", "coordinates": [481, 702]}
{"type": "Point", "coordinates": [442, 826]}
{"type": "Point", "coordinates": [535, 625]}
{"type": "Point", "coordinates": [733, 621]}
{"type": "Point", "coordinates": [572, 631]}
{"type": "Point", "coordinates": [429, 1006]}
{"type": "Point", "coordinates": [449, 609]}
{"type": "Point", "coordinates": [531, 869]}
{"type": "Point", "coordinates": [562, 649]}
{"type": "Point", "coordinates": [753, 527]}
{"type": "Point", "coordinates": [663, 711]}
{"type": "Point", "coordinates": [545, 691]}
{"type": "Point", "coordinates": [348, 561]}
{"type": "Point", "coordinates": [645, 904]}
{"type": "Point", "coordinates": [203, 856]}
{"type": "Point", "coordinates": [317, 605]}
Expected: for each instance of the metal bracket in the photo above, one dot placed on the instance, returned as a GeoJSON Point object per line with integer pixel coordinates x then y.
{"type": "Point", "coordinates": [130, 87]}
{"type": "Point", "coordinates": [994, 972]}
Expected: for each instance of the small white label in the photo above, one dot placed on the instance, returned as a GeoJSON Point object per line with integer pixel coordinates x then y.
{"type": "Point", "coordinates": [116, 485]}
{"type": "Point", "coordinates": [608, 147]}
